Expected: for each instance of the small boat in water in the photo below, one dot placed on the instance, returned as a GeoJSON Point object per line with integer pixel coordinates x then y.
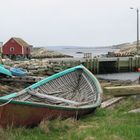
{"type": "Point", "coordinates": [4, 71]}
{"type": "Point", "coordinates": [71, 93]}
{"type": "Point", "coordinates": [79, 52]}
{"type": "Point", "coordinates": [18, 71]}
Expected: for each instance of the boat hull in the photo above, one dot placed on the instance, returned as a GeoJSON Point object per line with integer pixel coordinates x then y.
{"type": "Point", "coordinates": [24, 115]}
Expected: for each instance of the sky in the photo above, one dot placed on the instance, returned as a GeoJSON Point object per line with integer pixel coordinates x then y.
{"type": "Point", "coordinates": [69, 22]}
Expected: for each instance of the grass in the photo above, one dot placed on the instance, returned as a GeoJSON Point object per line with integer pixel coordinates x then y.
{"type": "Point", "coordinates": [105, 124]}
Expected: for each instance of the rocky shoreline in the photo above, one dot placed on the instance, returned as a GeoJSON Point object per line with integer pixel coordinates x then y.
{"type": "Point", "coordinates": [42, 52]}
{"type": "Point", "coordinates": [124, 50]}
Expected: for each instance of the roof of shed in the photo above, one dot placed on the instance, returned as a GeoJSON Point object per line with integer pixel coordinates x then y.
{"type": "Point", "coordinates": [21, 42]}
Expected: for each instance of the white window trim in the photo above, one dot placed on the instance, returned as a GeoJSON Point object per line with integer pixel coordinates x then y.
{"type": "Point", "coordinates": [12, 49]}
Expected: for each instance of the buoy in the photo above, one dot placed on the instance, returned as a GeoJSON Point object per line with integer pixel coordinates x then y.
{"type": "Point", "coordinates": [138, 69]}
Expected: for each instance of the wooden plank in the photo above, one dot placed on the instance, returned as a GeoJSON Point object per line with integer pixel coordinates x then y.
{"type": "Point", "coordinates": [37, 94]}
{"type": "Point", "coordinates": [111, 102]}
{"type": "Point", "coordinates": [135, 111]}
{"type": "Point", "coordinates": [123, 90]}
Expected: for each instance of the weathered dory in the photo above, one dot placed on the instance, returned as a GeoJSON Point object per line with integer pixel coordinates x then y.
{"type": "Point", "coordinates": [71, 93]}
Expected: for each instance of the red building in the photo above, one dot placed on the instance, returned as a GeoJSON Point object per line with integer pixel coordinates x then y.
{"type": "Point", "coordinates": [16, 47]}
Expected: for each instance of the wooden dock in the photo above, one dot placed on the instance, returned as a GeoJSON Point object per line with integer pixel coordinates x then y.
{"type": "Point", "coordinates": [102, 65]}
{"type": "Point", "coordinates": [113, 65]}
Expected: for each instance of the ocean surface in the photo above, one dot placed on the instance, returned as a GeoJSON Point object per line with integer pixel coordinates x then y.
{"type": "Point", "coordinates": [131, 76]}
{"type": "Point", "coordinates": [78, 52]}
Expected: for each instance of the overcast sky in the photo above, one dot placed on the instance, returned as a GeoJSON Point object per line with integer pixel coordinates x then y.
{"type": "Point", "coordinates": [69, 22]}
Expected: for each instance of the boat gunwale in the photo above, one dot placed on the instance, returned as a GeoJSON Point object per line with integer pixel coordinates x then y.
{"type": "Point", "coordinates": [49, 106]}
{"type": "Point", "coordinates": [6, 98]}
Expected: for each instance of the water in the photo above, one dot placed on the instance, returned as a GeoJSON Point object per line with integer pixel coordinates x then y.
{"type": "Point", "coordinates": [78, 52]}
{"type": "Point", "coordinates": [132, 76]}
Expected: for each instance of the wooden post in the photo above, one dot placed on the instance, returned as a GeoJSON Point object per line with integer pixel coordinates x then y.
{"type": "Point", "coordinates": [136, 63]}
{"type": "Point", "coordinates": [94, 66]}
{"type": "Point", "coordinates": [87, 63]}
{"type": "Point", "coordinates": [118, 64]}
{"type": "Point", "coordinates": [90, 64]}
{"type": "Point", "coordinates": [130, 63]}
{"type": "Point", "coordinates": [133, 64]}
{"type": "Point", "coordinates": [97, 64]}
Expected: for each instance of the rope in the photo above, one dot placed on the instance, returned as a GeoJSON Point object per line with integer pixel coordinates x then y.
{"type": "Point", "coordinates": [6, 102]}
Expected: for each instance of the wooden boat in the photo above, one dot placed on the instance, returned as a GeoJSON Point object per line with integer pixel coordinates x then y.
{"type": "Point", "coordinates": [4, 71]}
{"type": "Point", "coordinates": [18, 71]}
{"type": "Point", "coordinates": [70, 93]}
